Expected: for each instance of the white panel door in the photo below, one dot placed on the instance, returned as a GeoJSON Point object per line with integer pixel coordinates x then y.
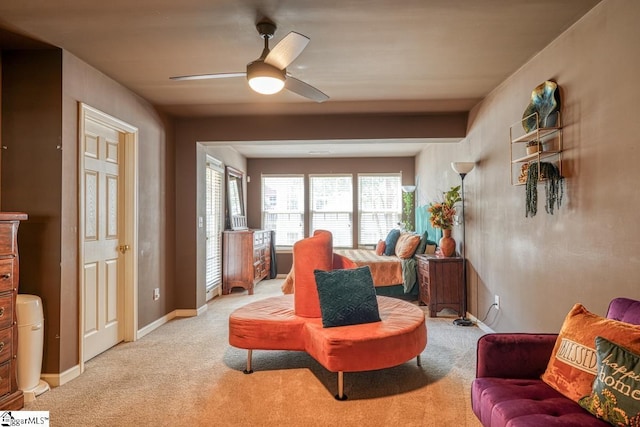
{"type": "Point", "coordinates": [102, 272]}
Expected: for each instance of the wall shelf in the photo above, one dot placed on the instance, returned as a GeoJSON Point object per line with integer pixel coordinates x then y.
{"type": "Point", "coordinates": [547, 140]}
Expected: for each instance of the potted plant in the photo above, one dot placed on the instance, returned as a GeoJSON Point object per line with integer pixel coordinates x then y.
{"type": "Point", "coordinates": [553, 187]}
{"type": "Point", "coordinates": [442, 214]}
{"type": "Point", "coordinates": [534, 146]}
{"type": "Point", "coordinates": [407, 211]}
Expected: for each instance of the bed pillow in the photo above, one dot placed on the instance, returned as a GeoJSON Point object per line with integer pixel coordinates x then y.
{"type": "Point", "coordinates": [616, 389]}
{"type": "Point", "coordinates": [390, 242]}
{"type": "Point", "coordinates": [422, 246]}
{"type": "Point", "coordinates": [347, 297]}
{"type": "Point", "coordinates": [407, 245]}
{"type": "Point", "coordinates": [380, 247]}
{"type": "Point", "coordinates": [573, 364]}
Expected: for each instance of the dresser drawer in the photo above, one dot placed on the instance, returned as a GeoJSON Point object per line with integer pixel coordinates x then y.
{"type": "Point", "coordinates": [6, 310]}
{"type": "Point", "coordinates": [6, 336]}
{"type": "Point", "coordinates": [5, 380]}
{"type": "Point", "coordinates": [6, 274]}
{"type": "Point", "coordinates": [7, 238]}
{"type": "Point", "coordinates": [423, 265]}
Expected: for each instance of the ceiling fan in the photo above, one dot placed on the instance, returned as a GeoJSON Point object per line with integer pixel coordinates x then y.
{"type": "Point", "coordinates": [268, 74]}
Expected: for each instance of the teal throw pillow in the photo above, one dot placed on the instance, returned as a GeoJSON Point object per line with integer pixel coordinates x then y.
{"type": "Point", "coordinates": [615, 397]}
{"type": "Point", "coordinates": [422, 246]}
{"type": "Point", "coordinates": [347, 297]}
{"type": "Point", "coordinates": [390, 242]}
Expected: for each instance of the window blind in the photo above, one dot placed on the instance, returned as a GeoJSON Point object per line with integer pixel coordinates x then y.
{"type": "Point", "coordinates": [283, 207]}
{"type": "Point", "coordinates": [214, 223]}
{"type": "Point", "coordinates": [379, 206]}
{"type": "Point", "coordinates": [331, 206]}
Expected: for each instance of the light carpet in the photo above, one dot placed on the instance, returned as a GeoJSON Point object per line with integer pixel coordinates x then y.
{"type": "Point", "coordinates": [185, 373]}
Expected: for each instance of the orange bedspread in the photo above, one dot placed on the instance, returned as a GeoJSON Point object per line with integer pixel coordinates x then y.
{"type": "Point", "coordinates": [386, 270]}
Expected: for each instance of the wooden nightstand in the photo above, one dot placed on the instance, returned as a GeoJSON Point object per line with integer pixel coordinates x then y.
{"type": "Point", "coordinates": [441, 283]}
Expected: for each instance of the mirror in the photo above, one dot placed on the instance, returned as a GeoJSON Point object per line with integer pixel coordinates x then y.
{"type": "Point", "coordinates": [236, 218]}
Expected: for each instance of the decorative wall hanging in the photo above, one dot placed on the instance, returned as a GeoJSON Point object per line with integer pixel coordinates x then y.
{"type": "Point", "coordinates": [545, 100]}
{"type": "Point", "coordinates": [553, 187]}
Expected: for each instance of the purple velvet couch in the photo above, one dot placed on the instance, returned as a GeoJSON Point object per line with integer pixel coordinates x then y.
{"type": "Point", "coordinates": [508, 390]}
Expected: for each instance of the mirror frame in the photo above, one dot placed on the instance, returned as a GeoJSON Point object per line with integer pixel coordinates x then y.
{"type": "Point", "coordinates": [235, 222]}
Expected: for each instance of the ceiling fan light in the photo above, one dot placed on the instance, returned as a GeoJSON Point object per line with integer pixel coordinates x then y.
{"type": "Point", "coordinates": [264, 78]}
{"type": "Point", "coordinates": [266, 85]}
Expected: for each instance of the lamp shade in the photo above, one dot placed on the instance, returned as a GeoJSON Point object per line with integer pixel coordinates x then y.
{"type": "Point", "coordinates": [462, 167]}
{"type": "Point", "coordinates": [264, 78]}
{"type": "Point", "coordinates": [408, 188]}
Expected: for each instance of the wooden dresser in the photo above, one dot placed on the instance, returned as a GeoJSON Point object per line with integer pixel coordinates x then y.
{"type": "Point", "coordinates": [441, 283]}
{"type": "Point", "coordinates": [246, 258]}
{"type": "Point", "coordinates": [10, 396]}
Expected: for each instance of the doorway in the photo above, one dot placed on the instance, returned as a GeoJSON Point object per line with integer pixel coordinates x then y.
{"type": "Point", "coordinates": [107, 232]}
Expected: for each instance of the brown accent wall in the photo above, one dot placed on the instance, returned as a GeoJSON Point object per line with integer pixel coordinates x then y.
{"type": "Point", "coordinates": [588, 250]}
{"type": "Point", "coordinates": [156, 194]}
{"type": "Point", "coordinates": [32, 178]}
{"type": "Point", "coordinates": [41, 90]}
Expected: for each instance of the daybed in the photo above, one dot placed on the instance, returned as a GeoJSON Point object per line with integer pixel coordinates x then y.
{"type": "Point", "coordinates": [393, 266]}
{"type": "Point", "coordinates": [295, 322]}
{"type": "Point", "coordinates": [508, 389]}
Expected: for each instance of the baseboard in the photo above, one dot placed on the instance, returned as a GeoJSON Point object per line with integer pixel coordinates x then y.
{"type": "Point", "coordinates": [191, 312]}
{"type": "Point", "coordinates": [56, 380]}
{"type": "Point", "coordinates": [480, 325]}
{"type": "Point", "coordinates": [168, 317]}
{"type": "Point", "coordinates": [155, 325]}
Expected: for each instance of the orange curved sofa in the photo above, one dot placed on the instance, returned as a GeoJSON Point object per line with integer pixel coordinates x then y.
{"type": "Point", "coordinates": [294, 322]}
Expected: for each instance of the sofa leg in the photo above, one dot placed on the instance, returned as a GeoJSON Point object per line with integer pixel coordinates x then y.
{"type": "Point", "coordinates": [248, 370]}
{"type": "Point", "coordinates": [419, 360]}
{"type": "Point", "coordinates": [341, 395]}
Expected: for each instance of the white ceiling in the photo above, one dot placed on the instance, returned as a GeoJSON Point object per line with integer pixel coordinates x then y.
{"type": "Point", "coordinates": [375, 56]}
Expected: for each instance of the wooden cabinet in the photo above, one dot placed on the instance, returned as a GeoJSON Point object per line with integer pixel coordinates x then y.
{"type": "Point", "coordinates": [246, 258]}
{"type": "Point", "coordinates": [10, 396]}
{"type": "Point", "coordinates": [441, 283]}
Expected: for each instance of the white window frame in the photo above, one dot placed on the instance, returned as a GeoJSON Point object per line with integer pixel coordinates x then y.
{"type": "Point", "coordinates": [294, 231]}
{"type": "Point", "coordinates": [389, 215]}
{"type": "Point", "coordinates": [214, 225]}
{"type": "Point", "coordinates": [341, 206]}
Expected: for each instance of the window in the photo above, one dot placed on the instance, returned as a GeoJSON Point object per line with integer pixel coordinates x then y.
{"type": "Point", "coordinates": [283, 207]}
{"type": "Point", "coordinates": [331, 206]}
{"type": "Point", "coordinates": [379, 206]}
{"type": "Point", "coordinates": [214, 223]}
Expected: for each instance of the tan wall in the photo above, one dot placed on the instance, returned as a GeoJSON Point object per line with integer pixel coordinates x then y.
{"type": "Point", "coordinates": [587, 251]}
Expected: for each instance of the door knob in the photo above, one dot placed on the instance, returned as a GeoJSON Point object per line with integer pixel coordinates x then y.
{"type": "Point", "coordinates": [123, 248]}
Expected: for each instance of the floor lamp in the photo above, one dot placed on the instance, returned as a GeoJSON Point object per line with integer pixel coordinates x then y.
{"type": "Point", "coordinates": [462, 169]}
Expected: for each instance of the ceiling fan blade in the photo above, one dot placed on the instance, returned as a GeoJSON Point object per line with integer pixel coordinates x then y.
{"type": "Point", "coordinates": [305, 89]}
{"type": "Point", "coordinates": [209, 76]}
{"type": "Point", "coordinates": [287, 50]}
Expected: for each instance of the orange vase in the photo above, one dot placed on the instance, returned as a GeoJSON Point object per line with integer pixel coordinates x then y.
{"type": "Point", "coordinates": [447, 244]}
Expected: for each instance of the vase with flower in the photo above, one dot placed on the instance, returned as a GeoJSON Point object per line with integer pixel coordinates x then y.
{"type": "Point", "coordinates": [442, 216]}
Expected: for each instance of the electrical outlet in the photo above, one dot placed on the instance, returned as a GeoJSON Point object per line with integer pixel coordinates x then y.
{"type": "Point", "coordinates": [497, 302]}
{"type": "Point", "coordinates": [156, 294]}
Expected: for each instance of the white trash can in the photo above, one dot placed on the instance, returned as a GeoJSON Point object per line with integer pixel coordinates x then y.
{"type": "Point", "coordinates": [30, 346]}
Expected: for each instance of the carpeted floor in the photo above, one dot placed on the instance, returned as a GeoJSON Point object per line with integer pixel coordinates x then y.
{"type": "Point", "coordinates": [186, 374]}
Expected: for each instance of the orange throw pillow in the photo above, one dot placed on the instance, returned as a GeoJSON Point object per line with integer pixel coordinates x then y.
{"type": "Point", "coordinates": [380, 247]}
{"type": "Point", "coordinates": [407, 245]}
{"type": "Point", "coordinates": [573, 364]}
